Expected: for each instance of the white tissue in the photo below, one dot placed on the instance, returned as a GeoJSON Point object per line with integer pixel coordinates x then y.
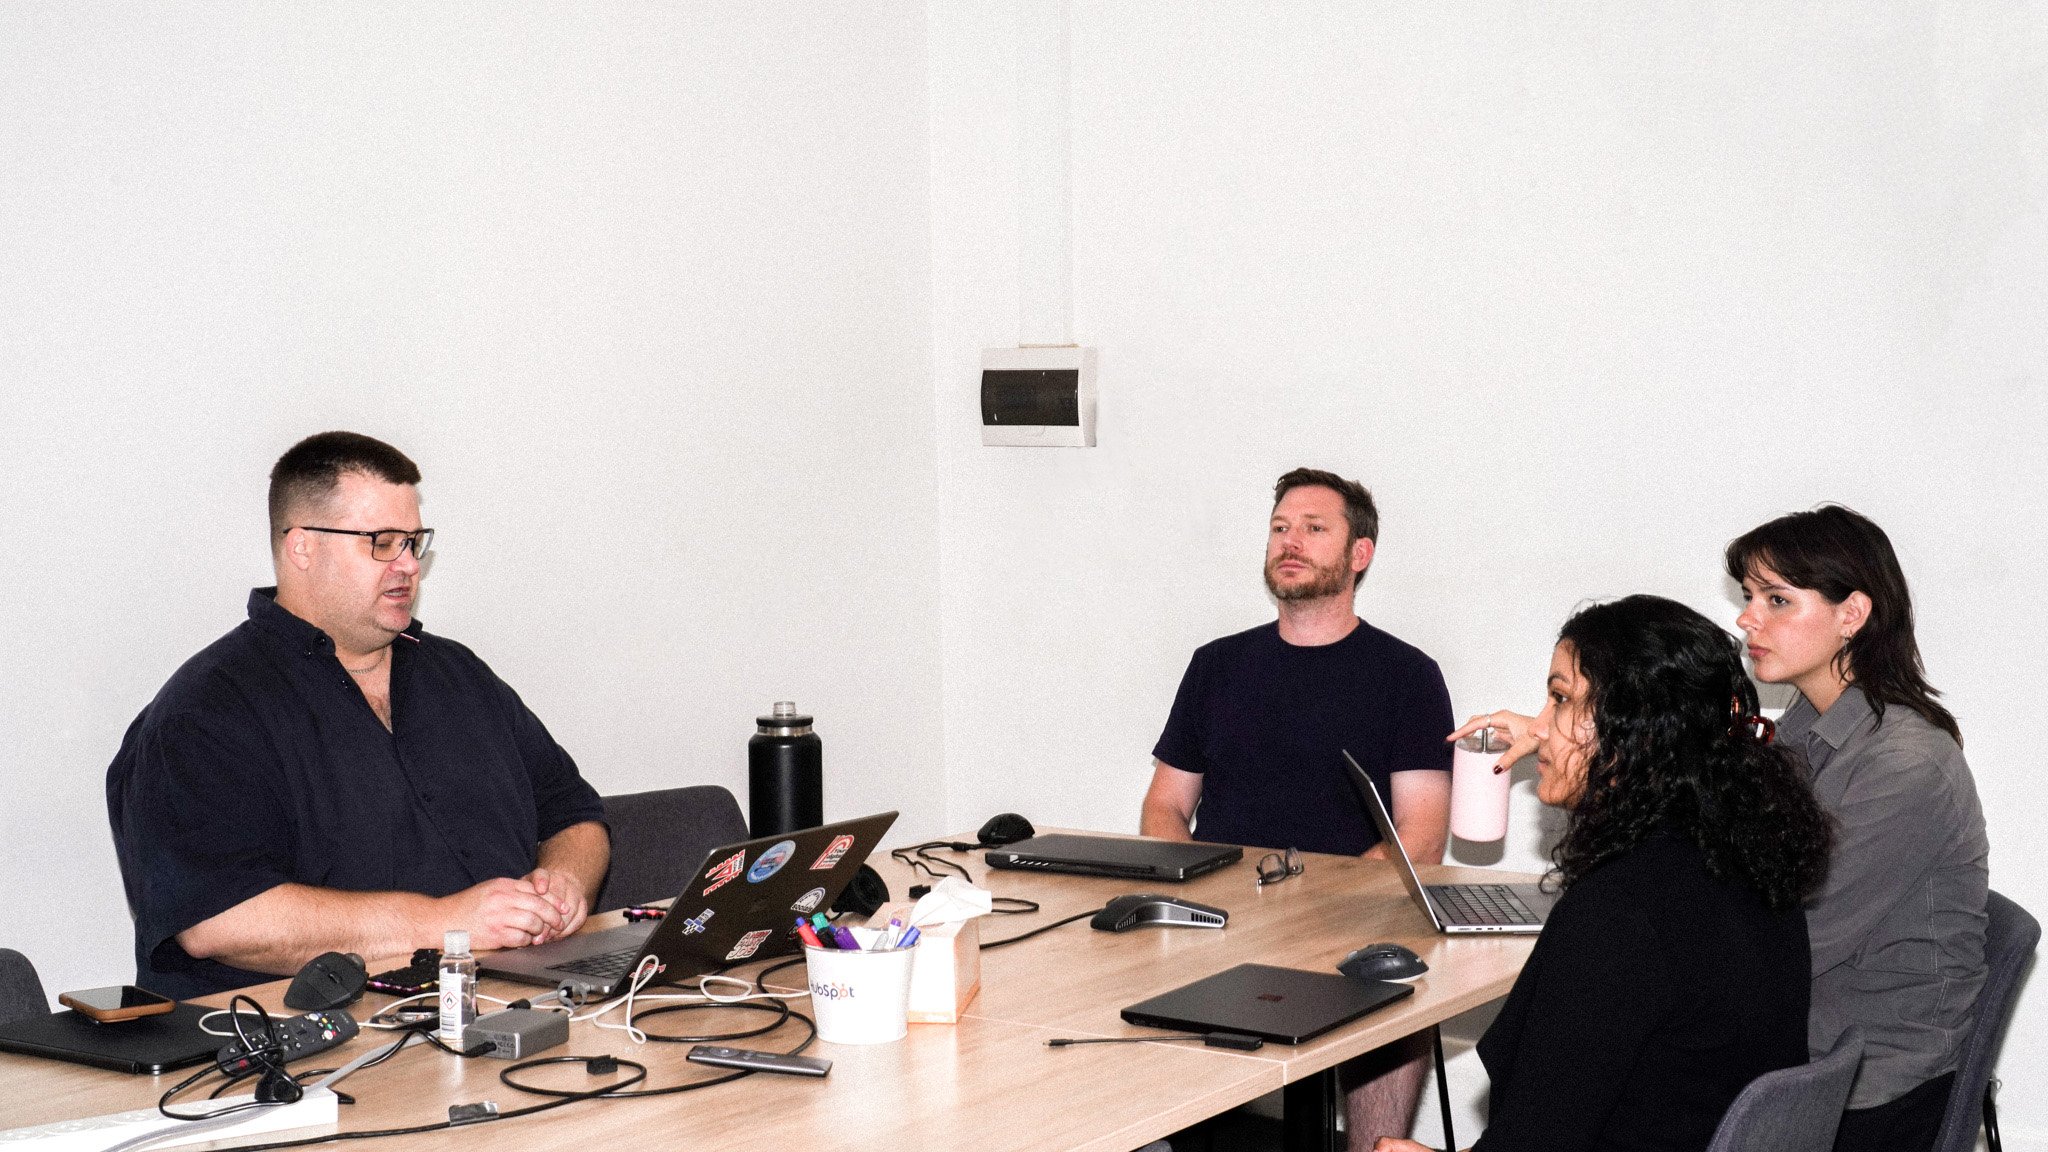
{"type": "Point", "coordinates": [951, 901]}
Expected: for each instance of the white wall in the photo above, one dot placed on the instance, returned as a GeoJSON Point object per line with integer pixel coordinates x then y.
{"type": "Point", "coordinates": [1581, 293]}
{"type": "Point", "coordinates": [680, 307]}
{"type": "Point", "coordinates": [643, 288]}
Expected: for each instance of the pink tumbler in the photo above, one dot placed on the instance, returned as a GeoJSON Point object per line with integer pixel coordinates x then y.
{"type": "Point", "coordinates": [1479, 795]}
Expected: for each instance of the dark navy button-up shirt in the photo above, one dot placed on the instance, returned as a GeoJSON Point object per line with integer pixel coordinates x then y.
{"type": "Point", "coordinates": [261, 763]}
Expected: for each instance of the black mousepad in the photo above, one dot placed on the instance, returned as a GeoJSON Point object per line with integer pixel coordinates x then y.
{"type": "Point", "coordinates": [147, 1045]}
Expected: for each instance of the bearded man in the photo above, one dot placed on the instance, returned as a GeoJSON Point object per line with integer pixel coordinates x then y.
{"type": "Point", "coordinates": [1253, 751]}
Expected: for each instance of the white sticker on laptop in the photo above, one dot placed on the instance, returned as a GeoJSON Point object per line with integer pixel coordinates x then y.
{"type": "Point", "coordinates": [749, 944]}
{"type": "Point", "coordinates": [701, 922]}
{"type": "Point", "coordinates": [809, 901]}
{"type": "Point", "coordinates": [834, 853]}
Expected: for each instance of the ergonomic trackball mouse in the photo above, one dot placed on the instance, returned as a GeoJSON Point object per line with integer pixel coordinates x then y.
{"type": "Point", "coordinates": [1382, 962]}
{"type": "Point", "coordinates": [1141, 908]}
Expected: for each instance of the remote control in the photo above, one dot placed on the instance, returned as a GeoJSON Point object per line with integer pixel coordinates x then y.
{"type": "Point", "coordinates": [297, 1037]}
{"type": "Point", "coordinates": [753, 1061]}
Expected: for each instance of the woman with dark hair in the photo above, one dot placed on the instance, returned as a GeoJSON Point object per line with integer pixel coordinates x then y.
{"type": "Point", "coordinates": [1674, 969]}
{"type": "Point", "coordinates": [1898, 932]}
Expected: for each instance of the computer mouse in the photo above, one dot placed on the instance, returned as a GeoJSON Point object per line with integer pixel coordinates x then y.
{"type": "Point", "coordinates": [1382, 962]}
{"type": "Point", "coordinates": [1004, 828]}
{"type": "Point", "coordinates": [1141, 908]}
{"type": "Point", "coordinates": [329, 980]}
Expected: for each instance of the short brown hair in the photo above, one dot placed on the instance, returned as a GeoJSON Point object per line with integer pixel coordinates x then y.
{"type": "Point", "coordinates": [310, 470]}
{"type": "Point", "coordinates": [1360, 515]}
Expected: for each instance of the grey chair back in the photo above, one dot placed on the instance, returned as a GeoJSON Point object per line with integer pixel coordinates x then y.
{"type": "Point", "coordinates": [2009, 939]}
{"type": "Point", "coordinates": [1793, 1109]}
{"type": "Point", "coordinates": [658, 837]}
{"type": "Point", "coordinates": [21, 991]}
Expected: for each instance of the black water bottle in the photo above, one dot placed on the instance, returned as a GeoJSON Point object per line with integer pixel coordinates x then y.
{"type": "Point", "coordinates": [785, 773]}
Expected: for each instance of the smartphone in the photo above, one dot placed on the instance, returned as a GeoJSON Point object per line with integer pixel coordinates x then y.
{"type": "Point", "coordinates": [120, 1002]}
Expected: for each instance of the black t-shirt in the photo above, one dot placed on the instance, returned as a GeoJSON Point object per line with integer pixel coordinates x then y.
{"type": "Point", "coordinates": [1266, 723]}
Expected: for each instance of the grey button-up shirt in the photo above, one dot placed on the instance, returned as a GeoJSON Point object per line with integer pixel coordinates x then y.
{"type": "Point", "coordinates": [1898, 931]}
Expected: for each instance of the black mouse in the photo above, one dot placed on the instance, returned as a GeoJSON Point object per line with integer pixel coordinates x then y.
{"type": "Point", "coordinates": [1382, 962]}
{"type": "Point", "coordinates": [1004, 828]}
{"type": "Point", "coordinates": [1141, 908]}
{"type": "Point", "coordinates": [329, 980]}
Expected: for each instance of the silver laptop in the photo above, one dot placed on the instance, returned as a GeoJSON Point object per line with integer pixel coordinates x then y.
{"type": "Point", "coordinates": [740, 903]}
{"type": "Point", "coordinates": [1458, 908]}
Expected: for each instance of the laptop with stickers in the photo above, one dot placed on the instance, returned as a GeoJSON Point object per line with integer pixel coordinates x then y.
{"type": "Point", "coordinates": [741, 903]}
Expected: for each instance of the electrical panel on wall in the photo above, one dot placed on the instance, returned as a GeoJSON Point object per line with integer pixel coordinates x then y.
{"type": "Point", "coordinates": [1038, 397]}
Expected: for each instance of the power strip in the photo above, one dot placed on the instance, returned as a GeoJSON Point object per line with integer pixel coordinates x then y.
{"type": "Point", "coordinates": [316, 1109]}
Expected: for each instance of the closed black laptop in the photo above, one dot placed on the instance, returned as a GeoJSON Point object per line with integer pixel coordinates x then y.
{"type": "Point", "coordinates": [1283, 1005]}
{"type": "Point", "coordinates": [1169, 860]}
{"type": "Point", "coordinates": [147, 1046]}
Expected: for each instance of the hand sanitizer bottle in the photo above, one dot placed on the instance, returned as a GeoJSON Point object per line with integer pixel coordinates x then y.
{"type": "Point", "coordinates": [458, 987]}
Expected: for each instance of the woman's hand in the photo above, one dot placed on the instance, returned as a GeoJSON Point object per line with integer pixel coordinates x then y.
{"type": "Point", "coordinates": [1395, 1144]}
{"type": "Point", "coordinates": [1520, 731]}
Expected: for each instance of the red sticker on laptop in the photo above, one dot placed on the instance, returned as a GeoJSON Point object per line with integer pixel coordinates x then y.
{"type": "Point", "coordinates": [834, 853]}
{"type": "Point", "coordinates": [749, 944]}
{"type": "Point", "coordinates": [725, 871]}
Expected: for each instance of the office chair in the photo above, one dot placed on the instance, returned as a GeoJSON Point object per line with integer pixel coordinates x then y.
{"type": "Point", "coordinates": [1793, 1109]}
{"type": "Point", "coordinates": [21, 992]}
{"type": "Point", "coordinates": [2010, 934]}
{"type": "Point", "coordinates": [657, 837]}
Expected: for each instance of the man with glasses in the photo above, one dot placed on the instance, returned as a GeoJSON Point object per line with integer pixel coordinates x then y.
{"type": "Point", "coordinates": [330, 777]}
{"type": "Point", "coordinates": [1253, 751]}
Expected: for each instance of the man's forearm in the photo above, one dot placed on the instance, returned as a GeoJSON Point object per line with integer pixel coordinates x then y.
{"type": "Point", "coordinates": [582, 850]}
{"type": "Point", "coordinates": [1164, 821]}
{"type": "Point", "coordinates": [278, 930]}
{"type": "Point", "coordinates": [1424, 841]}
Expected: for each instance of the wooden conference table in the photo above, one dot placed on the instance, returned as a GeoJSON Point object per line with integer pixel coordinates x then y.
{"type": "Point", "coordinates": [986, 1083]}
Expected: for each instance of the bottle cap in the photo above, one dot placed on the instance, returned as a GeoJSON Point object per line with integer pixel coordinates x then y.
{"type": "Point", "coordinates": [456, 940]}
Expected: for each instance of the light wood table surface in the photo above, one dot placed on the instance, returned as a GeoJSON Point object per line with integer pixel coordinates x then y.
{"type": "Point", "coordinates": [988, 1083]}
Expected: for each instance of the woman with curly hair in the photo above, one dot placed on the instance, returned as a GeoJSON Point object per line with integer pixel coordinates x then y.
{"type": "Point", "coordinates": [1898, 933]}
{"type": "Point", "coordinates": [1673, 971]}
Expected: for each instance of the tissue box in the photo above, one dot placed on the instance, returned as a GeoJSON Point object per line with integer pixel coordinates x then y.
{"type": "Point", "coordinates": [946, 973]}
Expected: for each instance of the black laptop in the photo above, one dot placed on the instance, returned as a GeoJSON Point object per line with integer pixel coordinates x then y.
{"type": "Point", "coordinates": [1283, 1005]}
{"type": "Point", "coordinates": [740, 903]}
{"type": "Point", "coordinates": [1168, 860]}
{"type": "Point", "coordinates": [146, 1046]}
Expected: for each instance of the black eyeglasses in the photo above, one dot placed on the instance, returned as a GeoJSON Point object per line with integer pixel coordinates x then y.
{"type": "Point", "coordinates": [385, 543]}
{"type": "Point", "coordinates": [1277, 866]}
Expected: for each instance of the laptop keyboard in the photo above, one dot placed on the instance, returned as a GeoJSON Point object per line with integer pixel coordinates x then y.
{"type": "Point", "coordinates": [1482, 904]}
{"type": "Point", "coordinates": [604, 965]}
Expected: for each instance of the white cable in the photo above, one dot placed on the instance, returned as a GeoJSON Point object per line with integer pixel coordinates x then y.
{"type": "Point", "coordinates": [642, 974]}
